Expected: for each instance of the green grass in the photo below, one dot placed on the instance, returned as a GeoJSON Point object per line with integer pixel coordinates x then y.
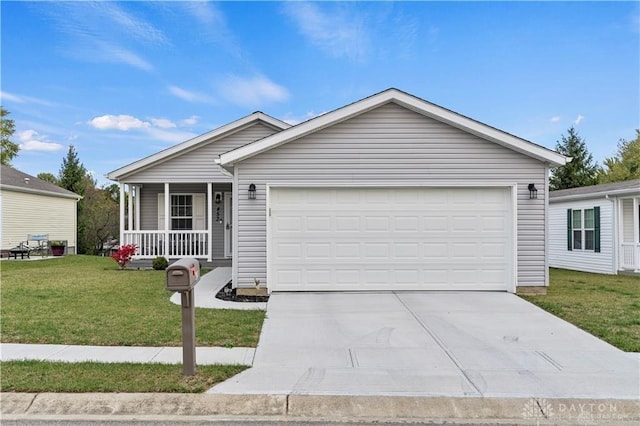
{"type": "Point", "coordinates": [607, 306]}
{"type": "Point", "coordinates": [87, 300]}
{"type": "Point", "coordinates": [35, 376]}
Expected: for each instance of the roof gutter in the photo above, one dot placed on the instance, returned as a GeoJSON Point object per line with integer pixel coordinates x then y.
{"type": "Point", "coordinates": [600, 194]}
{"type": "Point", "coordinates": [40, 192]}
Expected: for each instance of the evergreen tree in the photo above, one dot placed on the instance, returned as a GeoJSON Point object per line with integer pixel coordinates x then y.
{"type": "Point", "coordinates": [625, 165]}
{"type": "Point", "coordinates": [581, 171]}
{"type": "Point", "coordinates": [8, 149]}
{"type": "Point", "coordinates": [72, 174]}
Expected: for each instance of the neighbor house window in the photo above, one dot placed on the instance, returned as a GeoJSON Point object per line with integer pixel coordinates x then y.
{"type": "Point", "coordinates": [181, 212]}
{"type": "Point", "coordinates": [583, 229]}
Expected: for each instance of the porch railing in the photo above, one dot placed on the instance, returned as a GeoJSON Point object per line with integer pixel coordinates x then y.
{"type": "Point", "coordinates": [180, 243]}
{"type": "Point", "coordinates": [630, 256]}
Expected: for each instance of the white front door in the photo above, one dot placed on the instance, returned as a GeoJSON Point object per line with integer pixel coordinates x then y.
{"type": "Point", "coordinates": [324, 239]}
{"type": "Point", "coordinates": [228, 224]}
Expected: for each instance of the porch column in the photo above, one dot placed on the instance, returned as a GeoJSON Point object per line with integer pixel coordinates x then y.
{"type": "Point", "coordinates": [209, 221]}
{"type": "Point", "coordinates": [137, 207]}
{"type": "Point", "coordinates": [130, 207]}
{"type": "Point", "coordinates": [167, 219]}
{"type": "Point", "coordinates": [636, 234]}
{"type": "Point", "coordinates": [121, 241]}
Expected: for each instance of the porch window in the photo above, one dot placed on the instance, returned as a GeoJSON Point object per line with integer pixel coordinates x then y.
{"type": "Point", "coordinates": [187, 212]}
{"type": "Point", "coordinates": [583, 229]}
{"type": "Point", "coordinates": [181, 212]}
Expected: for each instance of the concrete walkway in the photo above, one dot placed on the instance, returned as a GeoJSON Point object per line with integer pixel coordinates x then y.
{"type": "Point", "coordinates": [207, 288]}
{"type": "Point", "coordinates": [131, 354]}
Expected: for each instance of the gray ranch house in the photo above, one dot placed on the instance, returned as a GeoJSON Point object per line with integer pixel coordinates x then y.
{"type": "Point", "coordinates": [596, 228]}
{"type": "Point", "coordinates": [388, 193]}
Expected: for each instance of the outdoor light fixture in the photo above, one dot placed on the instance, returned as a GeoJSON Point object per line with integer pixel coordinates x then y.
{"type": "Point", "coordinates": [533, 192]}
{"type": "Point", "coordinates": [218, 198]}
{"type": "Point", "coordinates": [252, 192]}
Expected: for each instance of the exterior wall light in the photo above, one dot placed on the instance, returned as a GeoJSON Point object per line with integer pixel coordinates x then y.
{"type": "Point", "coordinates": [533, 192]}
{"type": "Point", "coordinates": [252, 192]}
{"type": "Point", "coordinates": [218, 198]}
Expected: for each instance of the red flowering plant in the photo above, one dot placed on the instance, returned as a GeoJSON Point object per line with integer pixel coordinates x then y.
{"type": "Point", "coordinates": [124, 254]}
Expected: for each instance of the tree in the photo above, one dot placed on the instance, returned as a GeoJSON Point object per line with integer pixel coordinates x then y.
{"type": "Point", "coordinates": [100, 219]}
{"type": "Point", "coordinates": [72, 174]}
{"type": "Point", "coordinates": [581, 171]}
{"type": "Point", "coordinates": [8, 149]}
{"type": "Point", "coordinates": [626, 163]}
{"type": "Point", "coordinates": [48, 177]}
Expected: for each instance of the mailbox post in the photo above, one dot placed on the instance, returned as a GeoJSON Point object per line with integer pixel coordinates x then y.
{"type": "Point", "coordinates": [182, 276]}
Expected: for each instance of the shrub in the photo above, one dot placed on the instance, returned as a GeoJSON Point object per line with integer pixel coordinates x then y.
{"type": "Point", "coordinates": [160, 263]}
{"type": "Point", "coordinates": [124, 254]}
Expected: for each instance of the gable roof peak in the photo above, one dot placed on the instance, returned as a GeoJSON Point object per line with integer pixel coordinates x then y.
{"type": "Point", "coordinates": [405, 100]}
{"type": "Point", "coordinates": [247, 120]}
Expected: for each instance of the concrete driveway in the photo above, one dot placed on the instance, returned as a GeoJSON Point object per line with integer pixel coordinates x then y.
{"type": "Point", "coordinates": [487, 344]}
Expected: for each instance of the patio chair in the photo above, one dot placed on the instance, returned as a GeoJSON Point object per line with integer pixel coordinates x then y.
{"type": "Point", "coordinates": [37, 244]}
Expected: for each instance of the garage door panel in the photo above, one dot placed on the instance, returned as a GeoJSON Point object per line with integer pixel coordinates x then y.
{"type": "Point", "coordinates": [380, 239]}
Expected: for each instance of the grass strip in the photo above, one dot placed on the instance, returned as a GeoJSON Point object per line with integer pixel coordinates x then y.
{"type": "Point", "coordinates": [87, 300]}
{"type": "Point", "coordinates": [607, 306]}
{"type": "Point", "coordinates": [39, 376]}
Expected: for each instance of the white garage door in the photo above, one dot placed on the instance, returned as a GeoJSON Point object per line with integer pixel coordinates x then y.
{"type": "Point", "coordinates": [390, 239]}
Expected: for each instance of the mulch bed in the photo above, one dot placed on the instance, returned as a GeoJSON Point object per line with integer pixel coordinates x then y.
{"type": "Point", "coordinates": [229, 294]}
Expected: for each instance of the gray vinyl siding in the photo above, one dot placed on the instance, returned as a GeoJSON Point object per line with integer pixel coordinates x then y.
{"type": "Point", "coordinates": [390, 145]}
{"type": "Point", "coordinates": [149, 208]}
{"type": "Point", "coordinates": [198, 165]}
{"type": "Point", "coordinates": [581, 260]}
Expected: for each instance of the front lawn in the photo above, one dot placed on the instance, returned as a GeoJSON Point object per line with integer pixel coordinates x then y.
{"type": "Point", "coordinates": [87, 300]}
{"type": "Point", "coordinates": [607, 306]}
{"type": "Point", "coordinates": [36, 376]}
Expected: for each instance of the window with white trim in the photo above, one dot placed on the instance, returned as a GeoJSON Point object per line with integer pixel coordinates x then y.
{"type": "Point", "coordinates": [583, 226]}
{"type": "Point", "coordinates": [181, 212]}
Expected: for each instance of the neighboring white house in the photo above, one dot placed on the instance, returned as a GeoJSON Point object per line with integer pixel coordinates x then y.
{"type": "Point", "coordinates": [32, 206]}
{"type": "Point", "coordinates": [388, 193]}
{"type": "Point", "coordinates": [596, 228]}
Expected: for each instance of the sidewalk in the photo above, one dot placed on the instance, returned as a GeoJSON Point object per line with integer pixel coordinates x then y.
{"type": "Point", "coordinates": [132, 354]}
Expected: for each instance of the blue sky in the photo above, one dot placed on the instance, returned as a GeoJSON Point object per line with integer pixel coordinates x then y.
{"type": "Point", "coordinates": [123, 80]}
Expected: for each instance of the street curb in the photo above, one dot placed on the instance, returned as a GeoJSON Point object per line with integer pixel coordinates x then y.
{"type": "Point", "coordinates": [337, 407]}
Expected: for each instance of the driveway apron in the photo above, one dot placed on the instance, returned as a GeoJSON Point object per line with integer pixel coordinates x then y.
{"type": "Point", "coordinates": [488, 344]}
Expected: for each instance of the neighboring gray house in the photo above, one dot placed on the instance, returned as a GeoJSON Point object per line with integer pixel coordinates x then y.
{"type": "Point", "coordinates": [388, 193]}
{"type": "Point", "coordinates": [31, 206]}
{"type": "Point", "coordinates": [596, 228]}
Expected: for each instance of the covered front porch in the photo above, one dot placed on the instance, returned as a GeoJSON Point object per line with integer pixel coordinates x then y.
{"type": "Point", "coordinates": [629, 234]}
{"type": "Point", "coordinates": [174, 220]}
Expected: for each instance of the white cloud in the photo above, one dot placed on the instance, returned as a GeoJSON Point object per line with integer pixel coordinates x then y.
{"type": "Point", "coordinates": [172, 136]}
{"type": "Point", "coordinates": [189, 121]}
{"type": "Point", "coordinates": [337, 32]}
{"type": "Point", "coordinates": [104, 32]}
{"type": "Point", "coordinates": [555, 119]}
{"type": "Point", "coordinates": [119, 122]}
{"type": "Point", "coordinates": [252, 91]}
{"type": "Point", "coordinates": [578, 119]}
{"type": "Point", "coordinates": [118, 54]}
{"type": "Point", "coordinates": [163, 123]}
{"type": "Point", "coordinates": [297, 120]}
{"type": "Point", "coordinates": [30, 140]}
{"type": "Point", "coordinates": [21, 99]}
{"type": "Point", "coordinates": [189, 95]}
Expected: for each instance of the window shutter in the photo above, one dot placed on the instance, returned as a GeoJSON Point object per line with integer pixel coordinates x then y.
{"type": "Point", "coordinates": [596, 229]}
{"type": "Point", "coordinates": [199, 211]}
{"type": "Point", "coordinates": [160, 211]}
{"type": "Point", "coordinates": [569, 231]}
